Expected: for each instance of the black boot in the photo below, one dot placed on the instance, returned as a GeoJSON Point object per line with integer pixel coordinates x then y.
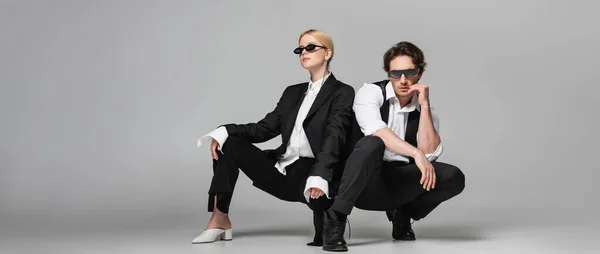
{"type": "Point", "coordinates": [334, 225]}
{"type": "Point", "coordinates": [401, 227]}
{"type": "Point", "coordinates": [318, 223]}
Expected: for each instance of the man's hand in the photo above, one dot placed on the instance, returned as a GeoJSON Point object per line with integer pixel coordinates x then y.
{"type": "Point", "coordinates": [214, 145]}
{"type": "Point", "coordinates": [427, 171]}
{"type": "Point", "coordinates": [423, 93]}
{"type": "Point", "coordinates": [315, 193]}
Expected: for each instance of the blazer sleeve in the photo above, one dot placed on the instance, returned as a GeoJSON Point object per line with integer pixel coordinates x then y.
{"type": "Point", "coordinates": [265, 129]}
{"type": "Point", "coordinates": [339, 121]}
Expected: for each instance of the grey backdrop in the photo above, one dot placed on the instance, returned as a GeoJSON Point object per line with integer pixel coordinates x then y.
{"type": "Point", "coordinates": [101, 103]}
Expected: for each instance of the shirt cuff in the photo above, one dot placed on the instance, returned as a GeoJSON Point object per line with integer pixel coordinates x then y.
{"type": "Point", "coordinates": [374, 128]}
{"type": "Point", "coordinates": [316, 182]}
{"type": "Point", "coordinates": [436, 154]}
{"type": "Point", "coordinates": [220, 135]}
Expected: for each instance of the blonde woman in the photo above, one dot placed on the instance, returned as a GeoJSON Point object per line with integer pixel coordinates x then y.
{"type": "Point", "coordinates": [312, 118]}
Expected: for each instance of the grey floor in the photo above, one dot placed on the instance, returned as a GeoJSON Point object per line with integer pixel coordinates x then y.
{"type": "Point", "coordinates": [477, 231]}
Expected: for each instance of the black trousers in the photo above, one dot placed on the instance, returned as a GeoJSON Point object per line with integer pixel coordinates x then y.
{"type": "Point", "coordinates": [369, 183]}
{"type": "Point", "coordinates": [260, 168]}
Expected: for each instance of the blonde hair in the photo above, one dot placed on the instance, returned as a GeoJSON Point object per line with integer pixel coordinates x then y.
{"type": "Point", "coordinates": [323, 38]}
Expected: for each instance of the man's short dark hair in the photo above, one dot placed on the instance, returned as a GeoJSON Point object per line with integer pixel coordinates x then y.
{"type": "Point", "coordinates": [405, 48]}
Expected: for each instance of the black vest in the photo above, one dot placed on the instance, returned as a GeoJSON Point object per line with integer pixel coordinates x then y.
{"type": "Point", "coordinates": [412, 125]}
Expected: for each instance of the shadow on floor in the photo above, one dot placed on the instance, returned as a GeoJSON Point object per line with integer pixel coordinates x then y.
{"type": "Point", "coordinates": [361, 235]}
{"type": "Point", "coordinates": [450, 232]}
{"type": "Point", "coordinates": [288, 230]}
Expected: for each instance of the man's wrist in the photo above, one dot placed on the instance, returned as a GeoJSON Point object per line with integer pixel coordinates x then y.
{"type": "Point", "coordinates": [425, 106]}
{"type": "Point", "coordinates": [416, 153]}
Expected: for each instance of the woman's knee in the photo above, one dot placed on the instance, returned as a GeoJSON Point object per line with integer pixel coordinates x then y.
{"type": "Point", "coordinates": [370, 143]}
{"type": "Point", "coordinates": [232, 142]}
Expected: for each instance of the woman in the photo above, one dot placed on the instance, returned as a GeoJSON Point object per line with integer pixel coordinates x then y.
{"type": "Point", "coordinates": [312, 118]}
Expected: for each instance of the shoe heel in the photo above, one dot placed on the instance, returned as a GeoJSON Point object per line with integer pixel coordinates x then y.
{"type": "Point", "coordinates": [227, 235]}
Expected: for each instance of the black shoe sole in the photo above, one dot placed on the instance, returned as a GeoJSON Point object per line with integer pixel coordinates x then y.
{"type": "Point", "coordinates": [405, 239]}
{"type": "Point", "coordinates": [315, 244]}
{"type": "Point", "coordinates": [335, 248]}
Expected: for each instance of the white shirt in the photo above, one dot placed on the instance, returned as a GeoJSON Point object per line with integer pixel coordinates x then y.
{"type": "Point", "coordinates": [367, 102]}
{"type": "Point", "coordinates": [298, 145]}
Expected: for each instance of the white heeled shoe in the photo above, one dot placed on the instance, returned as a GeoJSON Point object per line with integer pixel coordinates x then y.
{"type": "Point", "coordinates": [211, 235]}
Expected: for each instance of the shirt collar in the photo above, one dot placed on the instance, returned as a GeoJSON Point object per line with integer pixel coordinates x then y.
{"type": "Point", "coordinates": [391, 95]}
{"type": "Point", "coordinates": [317, 84]}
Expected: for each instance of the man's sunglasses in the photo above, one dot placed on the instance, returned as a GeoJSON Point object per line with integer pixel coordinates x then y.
{"type": "Point", "coordinates": [309, 48]}
{"type": "Point", "coordinates": [407, 73]}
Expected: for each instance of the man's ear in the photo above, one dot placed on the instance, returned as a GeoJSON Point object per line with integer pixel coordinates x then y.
{"type": "Point", "coordinates": [419, 77]}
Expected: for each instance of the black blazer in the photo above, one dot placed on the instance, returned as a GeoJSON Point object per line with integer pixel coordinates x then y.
{"type": "Point", "coordinates": [326, 125]}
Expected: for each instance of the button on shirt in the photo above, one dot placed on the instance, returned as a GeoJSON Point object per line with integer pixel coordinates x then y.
{"type": "Point", "coordinates": [366, 106]}
{"type": "Point", "coordinates": [298, 145]}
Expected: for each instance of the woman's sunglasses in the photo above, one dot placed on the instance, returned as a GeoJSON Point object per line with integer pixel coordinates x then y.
{"type": "Point", "coordinates": [407, 73]}
{"type": "Point", "coordinates": [309, 48]}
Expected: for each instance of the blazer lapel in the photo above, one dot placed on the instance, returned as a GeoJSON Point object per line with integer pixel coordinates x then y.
{"type": "Point", "coordinates": [292, 115]}
{"type": "Point", "coordinates": [326, 90]}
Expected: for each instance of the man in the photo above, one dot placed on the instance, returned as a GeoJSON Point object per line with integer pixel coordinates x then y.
{"type": "Point", "coordinates": [393, 167]}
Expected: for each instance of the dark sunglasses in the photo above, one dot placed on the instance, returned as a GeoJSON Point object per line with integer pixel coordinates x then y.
{"type": "Point", "coordinates": [407, 73]}
{"type": "Point", "coordinates": [309, 48]}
